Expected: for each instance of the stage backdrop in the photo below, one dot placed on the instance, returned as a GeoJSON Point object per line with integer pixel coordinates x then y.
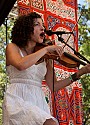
{"type": "Point", "coordinates": [60, 15]}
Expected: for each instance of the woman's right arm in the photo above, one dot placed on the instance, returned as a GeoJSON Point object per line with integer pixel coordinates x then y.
{"type": "Point", "coordinates": [13, 56]}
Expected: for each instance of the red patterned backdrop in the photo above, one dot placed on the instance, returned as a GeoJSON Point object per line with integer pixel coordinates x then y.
{"type": "Point", "coordinates": [60, 15]}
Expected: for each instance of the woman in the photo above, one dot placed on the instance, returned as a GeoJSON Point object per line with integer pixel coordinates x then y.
{"type": "Point", "coordinates": [24, 101]}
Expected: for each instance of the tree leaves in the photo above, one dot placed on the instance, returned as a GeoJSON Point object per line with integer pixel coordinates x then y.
{"type": "Point", "coordinates": [84, 49]}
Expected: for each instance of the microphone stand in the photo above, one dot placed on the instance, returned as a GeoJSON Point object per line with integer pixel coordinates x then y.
{"type": "Point", "coordinates": [75, 52]}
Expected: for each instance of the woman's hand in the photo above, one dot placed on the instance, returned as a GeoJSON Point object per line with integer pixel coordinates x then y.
{"type": "Point", "coordinates": [87, 68]}
{"type": "Point", "coordinates": [53, 48]}
{"type": "Point", "coordinates": [83, 70]}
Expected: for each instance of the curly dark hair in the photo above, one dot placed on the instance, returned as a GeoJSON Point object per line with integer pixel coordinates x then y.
{"type": "Point", "coordinates": [23, 27]}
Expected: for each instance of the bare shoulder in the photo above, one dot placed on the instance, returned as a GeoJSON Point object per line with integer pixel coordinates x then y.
{"type": "Point", "coordinates": [12, 53]}
{"type": "Point", "coordinates": [11, 47]}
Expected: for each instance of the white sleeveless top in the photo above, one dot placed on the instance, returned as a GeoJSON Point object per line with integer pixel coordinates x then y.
{"type": "Point", "coordinates": [24, 101]}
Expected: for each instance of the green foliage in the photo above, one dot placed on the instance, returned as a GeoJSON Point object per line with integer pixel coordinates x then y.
{"type": "Point", "coordinates": [84, 31]}
{"type": "Point", "coordinates": [84, 49]}
{"type": "Point", "coordinates": [85, 80]}
{"type": "Point", "coordinates": [4, 39]}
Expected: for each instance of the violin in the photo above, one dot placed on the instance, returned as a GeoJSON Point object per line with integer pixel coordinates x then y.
{"type": "Point", "coordinates": [67, 59]}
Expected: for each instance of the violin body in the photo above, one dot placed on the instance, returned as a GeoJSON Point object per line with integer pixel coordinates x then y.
{"type": "Point", "coordinates": [68, 60]}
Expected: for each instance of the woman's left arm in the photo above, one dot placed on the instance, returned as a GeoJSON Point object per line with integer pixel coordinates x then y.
{"type": "Point", "coordinates": [62, 83]}
{"type": "Point", "coordinates": [51, 79]}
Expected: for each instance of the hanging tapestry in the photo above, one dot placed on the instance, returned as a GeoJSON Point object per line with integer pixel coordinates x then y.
{"type": "Point", "coordinates": [60, 15]}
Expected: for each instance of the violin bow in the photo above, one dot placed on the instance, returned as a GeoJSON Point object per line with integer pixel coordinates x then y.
{"type": "Point", "coordinates": [75, 52]}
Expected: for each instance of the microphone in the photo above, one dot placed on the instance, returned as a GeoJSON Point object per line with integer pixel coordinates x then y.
{"type": "Point", "coordinates": [50, 32]}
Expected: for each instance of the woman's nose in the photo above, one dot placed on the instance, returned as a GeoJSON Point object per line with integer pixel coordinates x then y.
{"type": "Point", "coordinates": [42, 27]}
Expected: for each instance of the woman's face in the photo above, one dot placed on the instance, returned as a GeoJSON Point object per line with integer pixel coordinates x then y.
{"type": "Point", "coordinates": [39, 33]}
